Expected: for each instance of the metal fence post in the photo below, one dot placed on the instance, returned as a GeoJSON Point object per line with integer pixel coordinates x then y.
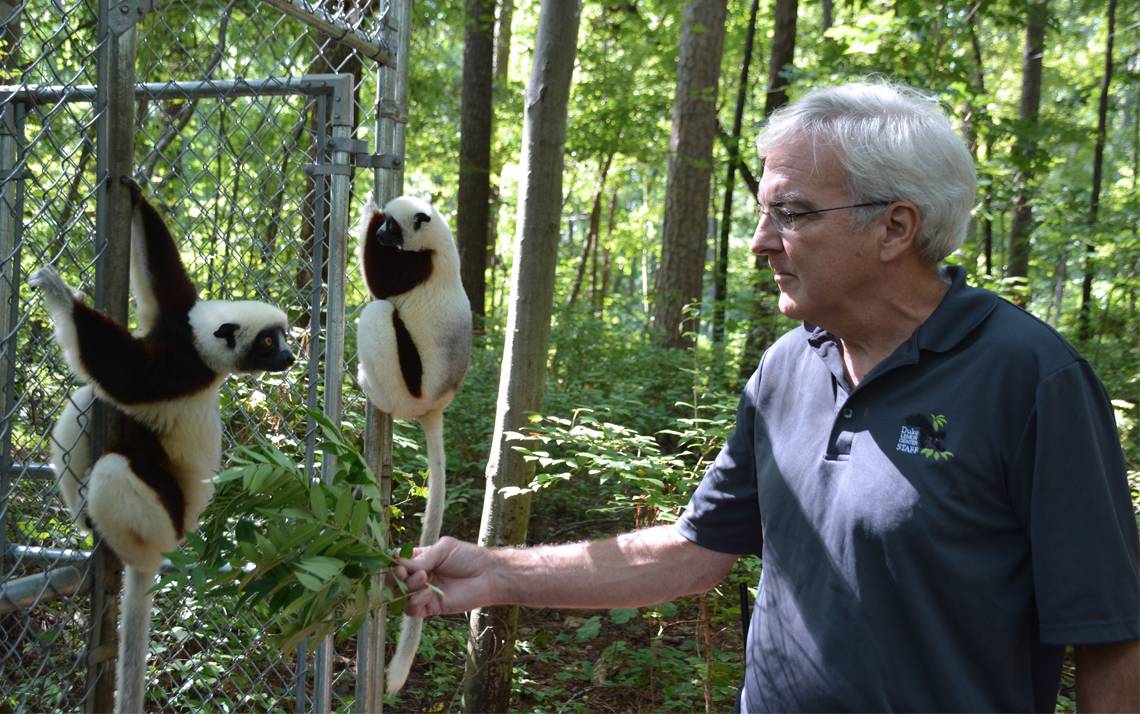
{"type": "Point", "coordinates": [391, 116]}
{"type": "Point", "coordinates": [11, 197]}
{"type": "Point", "coordinates": [114, 160]}
{"type": "Point", "coordinates": [340, 117]}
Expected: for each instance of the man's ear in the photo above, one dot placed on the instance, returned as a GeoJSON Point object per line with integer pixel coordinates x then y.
{"type": "Point", "coordinates": [901, 220]}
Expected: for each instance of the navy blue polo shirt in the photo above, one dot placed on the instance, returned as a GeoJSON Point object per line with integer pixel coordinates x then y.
{"type": "Point", "coordinates": [932, 538]}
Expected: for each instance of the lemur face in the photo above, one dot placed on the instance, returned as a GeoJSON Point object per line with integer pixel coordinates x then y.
{"type": "Point", "coordinates": [242, 336]}
{"type": "Point", "coordinates": [407, 225]}
{"type": "Point", "coordinates": [267, 352]}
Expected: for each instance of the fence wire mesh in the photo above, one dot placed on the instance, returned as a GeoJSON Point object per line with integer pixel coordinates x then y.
{"type": "Point", "coordinates": [227, 132]}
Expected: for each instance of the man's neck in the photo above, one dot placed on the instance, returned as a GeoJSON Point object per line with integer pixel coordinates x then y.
{"type": "Point", "coordinates": [886, 320]}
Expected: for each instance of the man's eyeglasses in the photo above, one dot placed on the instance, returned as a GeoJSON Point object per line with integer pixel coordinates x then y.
{"type": "Point", "coordinates": [785, 220]}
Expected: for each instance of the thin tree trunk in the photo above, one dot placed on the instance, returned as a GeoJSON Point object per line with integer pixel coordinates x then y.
{"type": "Point", "coordinates": [685, 230]}
{"type": "Point", "coordinates": [474, 196]}
{"type": "Point", "coordinates": [487, 677]}
{"type": "Point", "coordinates": [1098, 171]}
{"type": "Point", "coordinates": [781, 57]}
{"type": "Point", "coordinates": [589, 245]}
{"type": "Point", "coordinates": [1022, 208]}
{"type": "Point", "coordinates": [720, 286]}
{"type": "Point", "coordinates": [501, 74]}
{"type": "Point", "coordinates": [600, 299]}
{"type": "Point", "coordinates": [976, 114]}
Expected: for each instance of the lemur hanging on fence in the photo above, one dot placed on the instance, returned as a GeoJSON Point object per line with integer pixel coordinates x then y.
{"type": "Point", "coordinates": [413, 342]}
{"type": "Point", "coordinates": [152, 483]}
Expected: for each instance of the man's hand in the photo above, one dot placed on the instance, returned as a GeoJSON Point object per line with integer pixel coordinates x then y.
{"type": "Point", "coordinates": [463, 572]}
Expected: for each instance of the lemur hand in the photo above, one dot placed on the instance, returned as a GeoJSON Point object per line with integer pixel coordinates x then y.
{"type": "Point", "coordinates": [448, 577]}
{"type": "Point", "coordinates": [57, 294]}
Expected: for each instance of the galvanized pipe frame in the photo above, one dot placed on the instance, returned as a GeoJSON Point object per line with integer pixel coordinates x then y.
{"type": "Point", "coordinates": [114, 150]}
{"type": "Point", "coordinates": [391, 118]}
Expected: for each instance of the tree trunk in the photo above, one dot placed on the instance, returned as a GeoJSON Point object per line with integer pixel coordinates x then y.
{"type": "Point", "coordinates": [685, 229]}
{"type": "Point", "coordinates": [975, 114]}
{"type": "Point", "coordinates": [487, 678]}
{"type": "Point", "coordinates": [589, 245]}
{"type": "Point", "coordinates": [1084, 330]}
{"type": "Point", "coordinates": [474, 197]}
{"type": "Point", "coordinates": [782, 56]}
{"type": "Point", "coordinates": [501, 73]}
{"type": "Point", "coordinates": [1026, 145]}
{"type": "Point", "coordinates": [720, 287]}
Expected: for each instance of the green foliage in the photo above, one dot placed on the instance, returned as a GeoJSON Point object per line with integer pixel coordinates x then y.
{"type": "Point", "coordinates": [302, 552]}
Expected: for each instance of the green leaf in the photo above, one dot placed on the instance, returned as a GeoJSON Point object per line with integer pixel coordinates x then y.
{"type": "Point", "coordinates": [310, 582]}
{"type": "Point", "coordinates": [343, 508]}
{"type": "Point", "coordinates": [317, 501]}
{"type": "Point", "coordinates": [321, 566]}
{"type": "Point", "coordinates": [622, 615]}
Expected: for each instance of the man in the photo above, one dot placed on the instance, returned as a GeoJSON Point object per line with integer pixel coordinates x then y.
{"type": "Point", "coordinates": [931, 475]}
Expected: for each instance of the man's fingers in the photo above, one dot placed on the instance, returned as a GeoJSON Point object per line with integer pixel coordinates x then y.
{"type": "Point", "coordinates": [428, 557]}
{"type": "Point", "coordinates": [425, 603]}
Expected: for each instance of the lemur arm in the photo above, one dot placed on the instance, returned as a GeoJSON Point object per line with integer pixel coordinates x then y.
{"type": "Point", "coordinates": [127, 369]}
{"type": "Point", "coordinates": [159, 282]}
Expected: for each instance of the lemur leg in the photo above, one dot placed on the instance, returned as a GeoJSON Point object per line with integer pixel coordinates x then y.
{"type": "Point", "coordinates": [71, 453]}
{"type": "Point", "coordinates": [379, 373]}
{"type": "Point", "coordinates": [129, 514]}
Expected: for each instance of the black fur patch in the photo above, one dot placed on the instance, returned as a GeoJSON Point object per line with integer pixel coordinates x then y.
{"type": "Point", "coordinates": [227, 332]}
{"type": "Point", "coordinates": [173, 290]}
{"type": "Point", "coordinates": [420, 219]}
{"type": "Point", "coordinates": [410, 364]}
{"type": "Point", "coordinates": [163, 365]}
{"type": "Point", "coordinates": [390, 271]}
{"type": "Point", "coordinates": [152, 465]}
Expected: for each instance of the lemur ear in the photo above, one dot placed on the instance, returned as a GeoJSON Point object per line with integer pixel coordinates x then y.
{"type": "Point", "coordinates": [226, 332]}
{"type": "Point", "coordinates": [420, 219]}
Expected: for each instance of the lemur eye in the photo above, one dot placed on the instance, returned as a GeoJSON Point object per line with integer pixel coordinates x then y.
{"type": "Point", "coordinates": [267, 341]}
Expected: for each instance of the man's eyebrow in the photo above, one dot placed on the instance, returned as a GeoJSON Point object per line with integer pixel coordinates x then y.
{"type": "Point", "coordinates": [783, 198]}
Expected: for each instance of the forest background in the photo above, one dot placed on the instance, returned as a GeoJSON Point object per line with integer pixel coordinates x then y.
{"type": "Point", "coordinates": [656, 324]}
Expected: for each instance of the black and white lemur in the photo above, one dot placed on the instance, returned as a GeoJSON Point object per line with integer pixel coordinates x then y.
{"type": "Point", "coordinates": [152, 483]}
{"type": "Point", "coordinates": [413, 342]}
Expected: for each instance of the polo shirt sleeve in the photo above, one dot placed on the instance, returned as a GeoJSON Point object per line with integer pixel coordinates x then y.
{"type": "Point", "coordinates": [1068, 483]}
{"type": "Point", "coordinates": [724, 513]}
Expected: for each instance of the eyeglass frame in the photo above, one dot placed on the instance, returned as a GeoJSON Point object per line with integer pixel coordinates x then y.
{"type": "Point", "coordinates": [787, 222]}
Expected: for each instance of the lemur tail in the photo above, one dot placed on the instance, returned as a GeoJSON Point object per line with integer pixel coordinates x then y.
{"type": "Point", "coordinates": [411, 627]}
{"type": "Point", "coordinates": [134, 638]}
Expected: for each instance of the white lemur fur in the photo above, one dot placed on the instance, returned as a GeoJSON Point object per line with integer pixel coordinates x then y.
{"type": "Point", "coordinates": [413, 342]}
{"type": "Point", "coordinates": [152, 483]}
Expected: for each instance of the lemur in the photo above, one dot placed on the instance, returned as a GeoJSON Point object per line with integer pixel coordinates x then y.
{"type": "Point", "coordinates": [413, 343]}
{"type": "Point", "coordinates": [152, 482]}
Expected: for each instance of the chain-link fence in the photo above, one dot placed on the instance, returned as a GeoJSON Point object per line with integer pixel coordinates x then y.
{"type": "Point", "coordinates": [243, 122]}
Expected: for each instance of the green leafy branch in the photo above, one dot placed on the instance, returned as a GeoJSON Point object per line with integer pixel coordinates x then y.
{"type": "Point", "coordinates": [304, 552]}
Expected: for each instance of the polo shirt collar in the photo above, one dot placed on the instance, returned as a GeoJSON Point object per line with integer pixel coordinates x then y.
{"type": "Point", "coordinates": [962, 309]}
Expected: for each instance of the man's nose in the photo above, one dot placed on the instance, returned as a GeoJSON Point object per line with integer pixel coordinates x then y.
{"type": "Point", "coordinates": [766, 238]}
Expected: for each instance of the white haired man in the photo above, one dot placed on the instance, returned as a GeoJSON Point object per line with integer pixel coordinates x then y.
{"type": "Point", "coordinates": [932, 477]}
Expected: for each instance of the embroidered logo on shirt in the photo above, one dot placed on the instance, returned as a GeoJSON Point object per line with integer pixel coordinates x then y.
{"type": "Point", "coordinates": [924, 434]}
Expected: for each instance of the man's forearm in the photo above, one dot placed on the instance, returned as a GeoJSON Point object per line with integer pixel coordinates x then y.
{"type": "Point", "coordinates": [631, 570]}
{"type": "Point", "coordinates": [1108, 677]}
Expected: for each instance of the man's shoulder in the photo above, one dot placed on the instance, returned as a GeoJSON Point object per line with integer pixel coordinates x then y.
{"type": "Point", "coordinates": [1019, 336]}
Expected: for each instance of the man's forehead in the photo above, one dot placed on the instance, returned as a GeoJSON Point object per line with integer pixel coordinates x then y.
{"type": "Point", "coordinates": [801, 166]}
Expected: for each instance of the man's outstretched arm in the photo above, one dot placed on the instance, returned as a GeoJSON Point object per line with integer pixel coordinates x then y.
{"type": "Point", "coordinates": [630, 570]}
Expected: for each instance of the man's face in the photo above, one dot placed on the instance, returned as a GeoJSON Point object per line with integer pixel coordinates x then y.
{"type": "Point", "coordinates": [823, 264]}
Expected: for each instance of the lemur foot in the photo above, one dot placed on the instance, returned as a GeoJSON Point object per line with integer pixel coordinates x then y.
{"type": "Point", "coordinates": [57, 294]}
